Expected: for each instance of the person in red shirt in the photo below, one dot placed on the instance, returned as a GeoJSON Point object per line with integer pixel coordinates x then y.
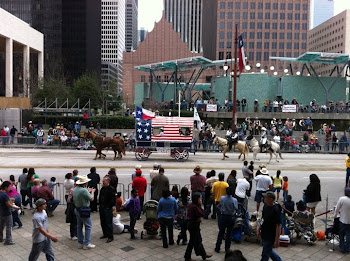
{"type": "Point", "coordinates": [140, 183]}
{"type": "Point", "coordinates": [45, 192]}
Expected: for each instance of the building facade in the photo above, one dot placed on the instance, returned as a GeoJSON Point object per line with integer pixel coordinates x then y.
{"type": "Point", "coordinates": [320, 11]}
{"type": "Point", "coordinates": [332, 36]}
{"type": "Point", "coordinates": [113, 36]}
{"type": "Point", "coordinates": [186, 19]}
{"type": "Point", "coordinates": [142, 33]}
{"type": "Point", "coordinates": [269, 28]}
{"type": "Point", "coordinates": [131, 25]}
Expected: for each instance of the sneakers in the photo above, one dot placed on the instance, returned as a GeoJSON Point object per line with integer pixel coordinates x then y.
{"type": "Point", "coordinates": [10, 243]}
{"type": "Point", "coordinates": [89, 246]}
{"type": "Point", "coordinates": [80, 246]}
{"type": "Point", "coordinates": [74, 238]}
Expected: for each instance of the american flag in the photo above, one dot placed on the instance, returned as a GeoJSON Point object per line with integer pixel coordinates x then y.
{"type": "Point", "coordinates": [171, 129]}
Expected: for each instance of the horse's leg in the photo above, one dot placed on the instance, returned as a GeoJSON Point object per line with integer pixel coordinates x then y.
{"type": "Point", "coordinates": [276, 156]}
{"type": "Point", "coordinates": [96, 155]}
{"type": "Point", "coordinates": [270, 157]}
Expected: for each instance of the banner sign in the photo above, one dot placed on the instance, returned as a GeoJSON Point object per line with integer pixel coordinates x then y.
{"type": "Point", "coordinates": [289, 108]}
{"type": "Point", "coordinates": [212, 107]}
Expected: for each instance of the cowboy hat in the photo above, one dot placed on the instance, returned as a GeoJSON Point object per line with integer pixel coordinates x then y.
{"type": "Point", "coordinates": [82, 180]}
{"type": "Point", "coordinates": [197, 169]}
{"type": "Point", "coordinates": [264, 171]}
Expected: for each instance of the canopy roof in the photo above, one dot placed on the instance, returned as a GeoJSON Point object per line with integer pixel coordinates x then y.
{"type": "Point", "coordinates": [316, 57]}
{"type": "Point", "coordinates": [185, 63]}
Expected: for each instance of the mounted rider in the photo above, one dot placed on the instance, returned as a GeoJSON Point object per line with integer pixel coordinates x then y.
{"type": "Point", "coordinates": [232, 138]}
{"type": "Point", "coordinates": [264, 143]}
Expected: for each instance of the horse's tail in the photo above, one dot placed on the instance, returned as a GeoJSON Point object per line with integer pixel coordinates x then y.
{"type": "Point", "coordinates": [246, 149]}
{"type": "Point", "coordinates": [279, 152]}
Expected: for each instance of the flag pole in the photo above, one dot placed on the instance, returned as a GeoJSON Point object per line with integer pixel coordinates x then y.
{"type": "Point", "coordinates": [179, 101]}
{"type": "Point", "coordinates": [234, 116]}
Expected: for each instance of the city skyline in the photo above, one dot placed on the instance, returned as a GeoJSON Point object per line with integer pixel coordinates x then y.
{"type": "Point", "coordinates": [150, 11]}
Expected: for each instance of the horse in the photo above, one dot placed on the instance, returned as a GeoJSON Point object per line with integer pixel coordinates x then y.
{"type": "Point", "coordinates": [240, 145]}
{"type": "Point", "coordinates": [117, 144]}
{"type": "Point", "coordinates": [273, 149]}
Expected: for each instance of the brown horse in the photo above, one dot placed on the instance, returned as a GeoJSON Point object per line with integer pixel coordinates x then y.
{"type": "Point", "coordinates": [117, 144]}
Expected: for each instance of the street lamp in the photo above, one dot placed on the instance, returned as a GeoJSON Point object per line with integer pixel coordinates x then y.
{"type": "Point", "coordinates": [247, 67]}
{"type": "Point", "coordinates": [272, 68]}
{"type": "Point", "coordinates": [275, 73]}
{"type": "Point", "coordinates": [298, 73]}
{"type": "Point", "coordinates": [285, 70]}
{"type": "Point", "coordinates": [225, 68]}
{"type": "Point", "coordinates": [262, 70]}
{"type": "Point", "coordinates": [258, 65]}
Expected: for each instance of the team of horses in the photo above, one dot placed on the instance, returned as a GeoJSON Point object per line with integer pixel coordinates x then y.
{"type": "Point", "coordinates": [100, 143]}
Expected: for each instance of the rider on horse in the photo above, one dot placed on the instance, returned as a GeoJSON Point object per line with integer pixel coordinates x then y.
{"type": "Point", "coordinates": [264, 144]}
{"type": "Point", "coordinates": [232, 139]}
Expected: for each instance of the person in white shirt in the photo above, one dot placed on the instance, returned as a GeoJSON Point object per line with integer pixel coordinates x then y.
{"type": "Point", "coordinates": [342, 211]}
{"type": "Point", "coordinates": [118, 227]}
{"type": "Point", "coordinates": [277, 138]}
{"type": "Point", "coordinates": [264, 183]}
{"type": "Point", "coordinates": [241, 191]}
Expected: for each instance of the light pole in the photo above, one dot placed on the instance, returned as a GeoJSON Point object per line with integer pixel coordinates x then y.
{"type": "Point", "coordinates": [234, 117]}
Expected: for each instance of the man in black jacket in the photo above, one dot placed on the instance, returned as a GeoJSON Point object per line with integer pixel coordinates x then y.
{"type": "Point", "coordinates": [95, 180]}
{"type": "Point", "coordinates": [107, 202]}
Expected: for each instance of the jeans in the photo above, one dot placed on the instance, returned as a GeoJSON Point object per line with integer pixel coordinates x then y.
{"type": "Point", "coordinates": [268, 252]}
{"type": "Point", "coordinates": [30, 197]}
{"type": "Point", "coordinates": [195, 241]}
{"type": "Point", "coordinates": [6, 222]}
{"type": "Point", "coordinates": [106, 219]}
{"type": "Point", "coordinates": [285, 195]}
{"type": "Point", "coordinates": [167, 223]}
{"type": "Point", "coordinates": [23, 195]}
{"type": "Point", "coordinates": [52, 204]}
{"type": "Point", "coordinates": [347, 177]}
{"type": "Point", "coordinates": [45, 247]}
{"type": "Point", "coordinates": [183, 224]}
{"type": "Point", "coordinates": [226, 223]}
{"type": "Point", "coordinates": [133, 219]}
{"type": "Point", "coordinates": [15, 218]}
{"type": "Point", "coordinates": [83, 240]}
{"type": "Point", "coordinates": [40, 140]}
{"type": "Point", "coordinates": [344, 237]}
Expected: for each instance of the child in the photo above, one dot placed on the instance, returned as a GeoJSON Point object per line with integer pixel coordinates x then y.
{"type": "Point", "coordinates": [41, 236]}
{"type": "Point", "coordinates": [15, 214]}
{"type": "Point", "coordinates": [118, 227]}
{"type": "Point", "coordinates": [52, 183]}
{"type": "Point", "coordinates": [175, 192]}
{"type": "Point", "coordinates": [133, 206]}
{"type": "Point", "coordinates": [285, 188]}
{"type": "Point", "coordinates": [289, 205]}
{"type": "Point", "coordinates": [277, 184]}
{"type": "Point", "coordinates": [119, 201]}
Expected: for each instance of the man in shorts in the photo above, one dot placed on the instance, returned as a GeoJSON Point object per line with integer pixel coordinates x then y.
{"type": "Point", "coordinates": [264, 183]}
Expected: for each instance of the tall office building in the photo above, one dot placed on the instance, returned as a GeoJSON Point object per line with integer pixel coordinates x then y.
{"type": "Point", "coordinates": [142, 33]}
{"type": "Point", "coordinates": [186, 18]}
{"type": "Point", "coordinates": [320, 11]}
{"type": "Point", "coordinates": [131, 26]}
{"type": "Point", "coordinates": [269, 28]}
{"type": "Point", "coordinates": [113, 36]}
{"type": "Point", "coordinates": [332, 36]}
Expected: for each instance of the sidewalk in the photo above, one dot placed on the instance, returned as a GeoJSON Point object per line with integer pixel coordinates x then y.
{"type": "Point", "coordinates": [122, 248]}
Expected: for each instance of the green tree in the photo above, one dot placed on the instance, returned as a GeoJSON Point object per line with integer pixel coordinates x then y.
{"type": "Point", "coordinates": [87, 87]}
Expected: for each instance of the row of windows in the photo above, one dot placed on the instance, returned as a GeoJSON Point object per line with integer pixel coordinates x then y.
{"type": "Point", "coordinates": [257, 56]}
{"type": "Point", "coordinates": [281, 45]}
{"type": "Point", "coordinates": [327, 42]}
{"type": "Point", "coordinates": [267, 25]}
{"type": "Point", "coordinates": [327, 35]}
{"type": "Point", "coordinates": [328, 27]}
{"type": "Point", "coordinates": [252, 15]}
{"type": "Point", "coordinates": [260, 6]}
{"type": "Point", "coordinates": [327, 49]}
{"type": "Point", "coordinates": [267, 35]}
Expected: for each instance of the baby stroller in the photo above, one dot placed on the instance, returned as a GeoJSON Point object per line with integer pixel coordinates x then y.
{"type": "Point", "coordinates": [241, 224]}
{"type": "Point", "coordinates": [332, 233]}
{"type": "Point", "coordinates": [302, 223]}
{"type": "Point", "coordinates": [151, 224]}
{"type": "Point", "coordinates": [254, 223]}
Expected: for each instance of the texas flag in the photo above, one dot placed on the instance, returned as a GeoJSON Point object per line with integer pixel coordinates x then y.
{"type": "Point", "coordinates": [242, 63]}
{"type": "Point", "coordinates": [144, 114]}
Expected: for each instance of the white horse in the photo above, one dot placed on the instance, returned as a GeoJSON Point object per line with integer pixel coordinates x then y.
{"type": "Point", "coordinates": [274, 149]}
{"type": "Point", "coordinates": [240, 145]}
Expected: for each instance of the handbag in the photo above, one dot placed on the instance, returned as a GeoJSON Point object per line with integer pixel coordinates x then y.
{"type": "Point", "coordinates": [84, 212]}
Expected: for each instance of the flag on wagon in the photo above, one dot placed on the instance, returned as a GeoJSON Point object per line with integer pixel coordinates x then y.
{"type": "Point", "coordinates": [143, 129]}
{"type": "Point", "coordinates": [144, 114]}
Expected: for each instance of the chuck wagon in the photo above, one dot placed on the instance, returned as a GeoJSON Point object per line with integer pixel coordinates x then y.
{"type": "Point", "coordinates": [171, 135]}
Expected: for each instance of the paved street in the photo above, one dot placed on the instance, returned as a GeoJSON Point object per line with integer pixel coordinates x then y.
{"type": "Point", "coordinates": [47, 163]}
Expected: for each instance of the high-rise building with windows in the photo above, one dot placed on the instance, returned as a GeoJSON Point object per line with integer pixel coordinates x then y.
{"type": "Point", "coordinates": [186, 18]}
{"type": "Point", "coordinates": [131, 25]}
{"type": "Point", "coordinates": [142, 33]}
{"type": "Point", "coordinates": [269, 28]}
{"type": "Point", "coordinates": [320, 11]}
{"type": "Point", "coordinates": [113, 35]}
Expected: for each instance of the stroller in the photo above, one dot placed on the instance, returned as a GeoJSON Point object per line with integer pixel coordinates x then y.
{"type": "Point", "coordinates": [332, 233]}
{"type": "Point", "coordinates": [151, 224]}
{"type": "Point", "coordinates": [241, 224]}
{"type": "Point", "coordinates": [302, 223]}
{"type": "Point", "coordinates": [254, 223]}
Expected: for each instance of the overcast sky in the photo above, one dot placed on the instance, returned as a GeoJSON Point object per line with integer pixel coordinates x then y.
{"type": "Point", "coordinates": [151, 11]}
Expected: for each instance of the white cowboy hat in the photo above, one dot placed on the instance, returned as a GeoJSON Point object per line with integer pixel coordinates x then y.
{"type": "Point", "coordinates": [82, 180]}
{"type": "Point", "coordinates": [263, 129]}
{"type": "Point", "coordinates": [264, 171]}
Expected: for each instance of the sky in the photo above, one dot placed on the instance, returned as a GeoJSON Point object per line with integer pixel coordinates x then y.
{"type": "Point", "coordinates": [151, 11]}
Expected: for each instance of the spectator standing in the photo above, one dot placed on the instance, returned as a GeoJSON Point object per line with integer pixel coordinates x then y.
{"type": "Point", "coordinates": [133, 206]}
{"type": "Point", "coordinates": [6, 220]}
{"type": "Point", "coordinates": [270, 228]}
{"type": "Point", "coordinates": [107, 202]}
{"type": "Point", "coordinates": [82, 198]}
{"type": "Point", "coordinates": [40, 136]}
{"type": "Point", "coordinates": [159, 183]}
{"type": "Point", "coordinates": [112, 174]}
{"type": "Point", "coordinates": [264, 183]}
{"type": "Point", "coordinates": [285, 188]}
{"type": "Point", "coordinates": [94, 181]}
{"type": "Point", "coordinates": [313, 193]}
{"type": "Point", "coordinates": [30, 183]}
{"type": "Point", "coordinates": [70, 214]}
{"type": "Point", "coordinates": [41, 237]}
{"type": "Point", "coordinates": [166, 213]}
{"type": "Point", "coordinates": [232, 180]}
{"type": "Point", "coordinates": [243, 103]}
{"type": "Point", "coordinates": [249, 175]}
{"type": "Point", "coordinates": [4, 136]}
{"type": "Point", "coordinates": [347, 165]}
{"type": "Point", "coordinates": [45, 192]}
{"type": "Point", "coordinates": [198, 182]}
{"type": "Point", "coordinates": [133, 175]}
{"type": "Point", "coordinates": [22, 179]}
{"type": "Point", "coordinates": [181, 216]}
{"type": "Point", "coordinates": [68, 184]}
{"type": "Point", "coordinates": [209, 198]}
{"type": "Point", "coordinates": [75, 174]}
{"type": "Point", "coordinates": [241, 191]}
{"type": "Point", "coordinates": [219, 190]}
{"type": "Point", "coordinates": [195, 213]}
{"type": "Point", "coordinates": [140, 184]}
{"type": "Point", "coordinates": [277, 184]}
{"type": "Point", "coordinates": [152, 173]}
{"type": "Point", "coordinates": [343, 211]}
{"type": "Point", "coordinates": [228, 208]}
{"type": "Point", "coordinates": [15, 198]}
{"type": "Point", "coordinates": [13, 133]}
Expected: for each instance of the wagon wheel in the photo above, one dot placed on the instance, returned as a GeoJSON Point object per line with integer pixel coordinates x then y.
{"type": "Point", "coordinates": [142, 154]}
{"type": "Point", "coordinates": [181, 155]}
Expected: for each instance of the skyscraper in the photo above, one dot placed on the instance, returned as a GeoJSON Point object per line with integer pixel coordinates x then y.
{"type": "Point", "coordinates": [142, 33]}
{"type": "Point", "coordinates": [131, 26]}
{"type": "Point", "coordinates": [113, 35]}
{"type": "Point", "coordinates": [186, 18]}
{"type": "Point", "coordinates": [320, 11]}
